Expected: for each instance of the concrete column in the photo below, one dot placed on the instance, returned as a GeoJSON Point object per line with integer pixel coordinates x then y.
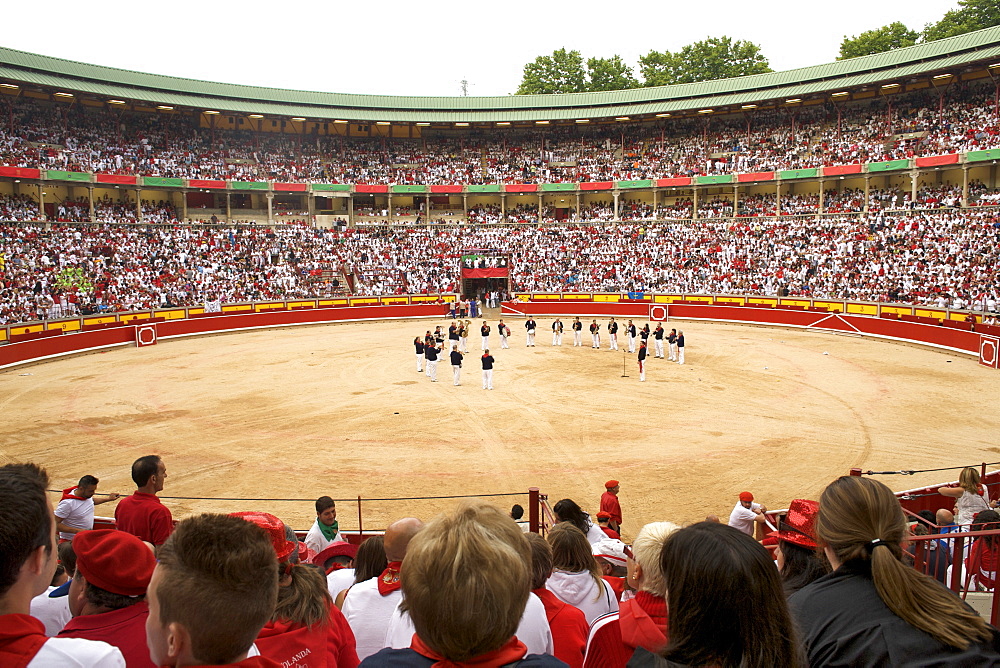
{"type": "Point", "coordinates": [138, 204]}
{"type": "Point", "coordinates": [868, 187]}
{"type": "Point", "coordinates": [656, 201]}
{"type": "Point", "coordinates": [390, 206]}
{"type": "Point", "coordinates": [229, 208]}
{"type": "Point", "coordinates": [270, 208]}
{"type": "Point", "coordinates": [350, 211]}
{"type": "Point", "coordinates": [465, 206]}
{"type": "Point", "coordinates": [41, 202]}
{"type": "Point", "coordinates": [965, 185]}
{"type": "Point", "coordinates": [736, 200]}
{"type": "Point", "coordinates": [503, 204]}
{"type": "Point", "coordinates": [822, 196]}
{"type": "Point", "coordinates": [539, 208]}
{"type": "Point", "coordinates": [427, 207]}
{"type": "Point", "coordinates": [578, 197]}
{"type": "Point", "coordinates": [311, 207]}
{"type": "Point", "coordinates": [616, 205]}
{"type": "Point", "coordinates": [90, 198]}
{"type": "Point", "coordinates": [694, 204]}
{"type": "Point", "coordinates": [914, 177]}
{"type": "Point", "coordinates": [184, 205]}
{"type": "Point", "coordinates": [777, 198]}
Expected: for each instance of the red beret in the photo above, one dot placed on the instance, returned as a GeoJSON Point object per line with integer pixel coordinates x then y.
{"type": "Point", "coordinates": [611, 483]}
{"type": "Point", "coordinates": [275, 530]}
{"type": "Point", "coordinates": [114, 560]}
{"type": "Point", "coordinates": [746, 496]}
{"type": "Point", "coordinates": [603, 515]}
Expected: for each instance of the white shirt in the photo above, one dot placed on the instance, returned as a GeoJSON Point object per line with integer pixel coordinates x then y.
{"type": "Point", "coordinates": [743, 518]}
{"type": "Point", "coordinates": [533, 629]}
{"type": "Point", "coordinates": [53, 612]}
{"type": "Point", "coordinates": [368, 614]}
{"type": "Point", "coordinates": [77, 653]}
{"type": "Point", "coordinates": [593, 598]}
{"type": "Point", "coordinates": [339, 580]}
{"type": "Point", "coordinates": [316, 541]}
{"type": "Point", "coordinates": [77, 513]}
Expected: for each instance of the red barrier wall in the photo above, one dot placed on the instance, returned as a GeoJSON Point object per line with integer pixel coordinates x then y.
{"type": "Point", "coordinates": [949, 338]}
{"type": "Point", "coordinates": [41, 349]}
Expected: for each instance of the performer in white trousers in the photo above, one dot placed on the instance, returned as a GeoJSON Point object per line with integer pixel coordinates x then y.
{"type": "Point", "coordinates": [456, 364]}
{"type": "Point", "coordinates": [680, 347]}
{"type": "Point", "coordinates": [529, 325]}
{"type": "Point", "coordinates": [613, 334]}
{"type": "Point", "coordinates": [485, 331]}
{"type": "Point", "coordinates": [504, 332]}
{"type": "Point", "coordinates": [557, 331]}
{"type": "Point", "coordinates": [577, 333]}
{"type": "Point", "coordinates": [631, 331]}
{"type": "Point", "coordinates": [487, 361]}
{"type": "Point", "coordinates": [672, 345]}
{"type": "Point", "coordinates": [642, 361]}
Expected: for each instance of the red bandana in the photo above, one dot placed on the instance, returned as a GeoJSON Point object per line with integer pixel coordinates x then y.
{"type": "Point", "coordinates": [21, 636]}
{"type": "Point", "coordinates": [513, 651]}
{"type": "Point", "coordinates": [67, 494]}
{"type": "Point", "coordinates": [389, 582]}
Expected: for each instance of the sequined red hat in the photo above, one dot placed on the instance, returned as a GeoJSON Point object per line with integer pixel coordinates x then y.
{"type": "Point", "coordinates": [799, 525]}
{"type": "Point", "coordinates": [275, 530]}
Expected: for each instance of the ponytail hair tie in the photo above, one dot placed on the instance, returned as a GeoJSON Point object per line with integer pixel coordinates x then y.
{"type": "Point", "coordinates": [870, 547]}
{"type": "Point", "coordinates": [286, 568]}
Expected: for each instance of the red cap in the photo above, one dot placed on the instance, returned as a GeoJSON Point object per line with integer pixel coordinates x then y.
{"type": "Point", "coordinates": [337, 549]}
{"type": "Point", "coordinates": [603, 515]}
{"type": "Point", "coordinates": [799, 525]}
{"type": "Point", "coordinates": [114, 560]}
{"type": "Point", "coordinates": [746, 497]}
{"type": "Point", "coordinates": [275, 530]}
{"type": "Point", "coordinates": [611, 483]}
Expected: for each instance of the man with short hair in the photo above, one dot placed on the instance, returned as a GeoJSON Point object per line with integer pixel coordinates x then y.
{"type": "Point", "coordinates": [369, 605]}
{"type": "Point", "coordinates": [595, 334]}
{"type": "Point", "coordinates": [631, 331]}
{"type": "Point", "coordinates": [746, 514]}
{"type": "Point", "coordinates": [142, 514]}
{"type": "Point", "coordinates": [603, 518]}
{"type": "Point", "coordinates": [75, 512]}
{"type": "Point", "coordinates": [672, 345]}
{"type": "Point", "coordinates": [27, 563]}
{"type": "Point", "coordinates": [658, 341]}
{"type": "Point", "coordinates": [613, 334]}
{"type": "Point", "coordinates": [108, 595]}
{"type": "Point", "coordinates": [456, 365]}
{"type": "Point", "coordinates": [487, 361]}
{"type": "Point", "coordinates": [557, 332]}
{"type": "Point", "coordinates": [529, 326]}
{"type": "Point", "coordinates": [610, 504]}
{"type": "Point", "coordinates": [577, 333]}
{"type": "Point", "coordinates": [325, 529]}
{"type": "Point", "coordinates": [211, 593]}
{"type": "Point", "coordinates": [517, 514]}
{"type": "Point", "coordinates": [337, 562]}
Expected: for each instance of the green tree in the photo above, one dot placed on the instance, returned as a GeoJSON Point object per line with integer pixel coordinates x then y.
{"type": "Point", "coordinates": [709, 59]}
{"type": "Point", "coordinates": [893, 36]}
{"type": "Point", "coordinates": [610, 74]}
{"type": "Point", "coordinates": [562, 72]}
{"type": "Point", "coordinates": [970, 15]}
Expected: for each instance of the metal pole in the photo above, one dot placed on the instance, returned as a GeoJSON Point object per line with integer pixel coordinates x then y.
{"type": "Point", "coordinates": [533, 502]}
{"type": "Point", "coordinates": [361, 525]}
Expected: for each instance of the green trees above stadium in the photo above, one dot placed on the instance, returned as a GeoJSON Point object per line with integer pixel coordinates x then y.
{"type": "Point", "coordinates": [969, 16]}
{"type": "Point", "coordinates": [712, 58]}
{"type": "Point", "coordinates": [709, 59]}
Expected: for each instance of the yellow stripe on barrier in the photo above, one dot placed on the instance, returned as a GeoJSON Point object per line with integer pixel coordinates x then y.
{"type": "Point", "coordinates": [929, 314]}
{"type": "Point", "coordinates": [832, 306]}
{"type": "Point", "coordinates": [863, 309]}
{"type": "Point", "coordinates": [171, 315]}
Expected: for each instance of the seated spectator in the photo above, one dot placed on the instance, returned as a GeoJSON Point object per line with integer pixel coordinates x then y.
{"type": "Point", "coordinates": [795, 551]}
{"type": "Point", "coordinates": [603, 520]}
{"type": "Point", "coordinates": [369, 562]}
{"type": "Point", "coordinates": [306, 629]}
{"type": "Point", "coordinates": [641, 620]}
{"type": "Point", "coordinates": [981, 564]}
{"type": "Point", "coordinates": [972, 496]}
{"type": "Point", "coordinates": [725, 603]}
{"type": "Point", "coordinates": [214, 587]}
{"type": "Point", "coordinates": [873, 609]}
{"type": "Point", "coordinates": [517, 514]}
{"type": "Point", "coordinates": [466, 614]}
{"type": "Point", "coordinates": [27, 564]}
{"type": "Point", "coordinates": [568, 511]}
{"type": "Point", "coordinates": [369, 605]}
{"type": "Point", "coordinates": [51, 607]}
{"type": "Point", "coordinates": [612, 561]}
{"type": "Point", "coordinates": [337, 562]}
{"type": "Point", "coordinates": [325, 529]}
{"type": "Point", "coordinates": [566, 622]}
{"type": "Point", "coordinates": [576, 578]}
{"type": "Point", "coordinates": [108, 594]}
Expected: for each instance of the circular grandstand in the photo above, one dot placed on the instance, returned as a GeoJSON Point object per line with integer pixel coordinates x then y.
{"type": "Point", "coordinates": [845, 202]}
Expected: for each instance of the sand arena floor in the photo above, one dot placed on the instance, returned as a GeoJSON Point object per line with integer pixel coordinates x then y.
{"type": "Point", "coordinates": [340, 410]}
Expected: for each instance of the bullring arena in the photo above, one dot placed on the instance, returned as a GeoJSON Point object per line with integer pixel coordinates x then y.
{"type": "Point", "coordinates": [826, 237]}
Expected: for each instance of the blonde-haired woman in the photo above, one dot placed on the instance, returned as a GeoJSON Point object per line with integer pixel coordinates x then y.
{"type": "Point", "coordinates": [873, 609]}
{"type": "Point", "coordinates": [576, 577]}
{"type": "Point", "coordinates": [641, 620]}
{"type": "Point", "coordinates": [971, 494]}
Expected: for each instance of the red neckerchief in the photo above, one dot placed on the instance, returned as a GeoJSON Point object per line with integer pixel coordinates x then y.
{"type": "Point", "coordinates": [21, 636]}
{"type": "Point", "coordinates": [67, 495]}
{"type": "Point", "coordinates": [389, 582]}
{"type": "Point", "coordinates": [335, 567]}
{"type": "Point", "coordinates": [635, 619]}
{"type": "Point", "coordinates": [513, 651]}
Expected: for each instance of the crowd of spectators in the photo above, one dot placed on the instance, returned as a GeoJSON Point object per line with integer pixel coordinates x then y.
{"type": "Point", "coordinates": [916, 257]}
{"type": "Point", "coordinates": [71, 137]}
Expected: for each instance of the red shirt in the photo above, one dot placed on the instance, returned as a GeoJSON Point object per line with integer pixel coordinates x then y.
{"type": "Point", "coordinates": [143, 516]}
{"type": "Point", "coordinates": [610, 505]}
{"type": "Point", "coordinates": [639, 622]}
{"type": "Point", "coordinates": [124, 628]}
{"type": "Point", "coordinates": [328, 646]}
{"type": "Point", "coordinates": [569, 628]}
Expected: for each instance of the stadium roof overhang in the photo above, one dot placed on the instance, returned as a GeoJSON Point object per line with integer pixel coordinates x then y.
{"type": "Point", "coordinates": [964, 53]}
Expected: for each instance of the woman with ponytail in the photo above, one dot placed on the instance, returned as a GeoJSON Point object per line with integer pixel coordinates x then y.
{"type": "Point", "coordinates": [306, 629]}
{"type": "Point", "coordinates": [873, 609]}
{"type": "Point", "coordinates": [972, 497]}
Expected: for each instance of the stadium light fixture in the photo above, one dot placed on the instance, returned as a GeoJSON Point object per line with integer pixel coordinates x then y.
{"type": "Point", "coordinates": [583, 120]}
{"type": "Point", "coordinates": [622, 118]}
{"type": "Point", "coordinates": [504, 123]}
{"type": "Point", "coordinates": [210, 112]}
{"type": "Point", "coordinates": [164, 107]}
{"type": "Point", "coordinates": [794, 100]}
{"type": "Point", "coordinates": [116, 101]}
{"type": "Point", "coordinates": [461, 125]}
{"type": "Point", "coordinates": [256, 116]}
{"type": "Point", "coordinates": [298, 119]}
{"type": "Point", "coordinates": [341, 122]}
{"type": "Point", "coordinates": [705, 111]}
{"type": "Point", "coordinates": [423, 125]}
{"type": "Point", "coordinates": [663, 115]}
{"type": "Point", "coordinates": [892, 85]}
{"type": "Point", "coordinates": [840, 94]}
{"type": "Point", "coordinates": [541, 122]}
{"type": "Point", "coordinates": [749, 106]}
{"type": "Point", "coordinates": [942, 76]}
{"type": "Point", "coordinates": [994, 65]}
{"type": "Point", "coordinates": [63, 94]}
{"type": "Point", "coordinates": [388, 123]}
{"type": "Point", "coordinates": [7, 85]}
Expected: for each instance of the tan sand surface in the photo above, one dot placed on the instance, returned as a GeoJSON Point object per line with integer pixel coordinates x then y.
{"type": "Point", "coordinates": [340, 410]}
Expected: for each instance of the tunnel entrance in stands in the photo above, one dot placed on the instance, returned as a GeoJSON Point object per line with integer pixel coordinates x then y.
{"type": "Point", "coordinates": [479, 287]}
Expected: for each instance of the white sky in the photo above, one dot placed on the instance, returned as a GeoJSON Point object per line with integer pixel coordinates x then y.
{"type": "Point", "coordinates": [426, 48]}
